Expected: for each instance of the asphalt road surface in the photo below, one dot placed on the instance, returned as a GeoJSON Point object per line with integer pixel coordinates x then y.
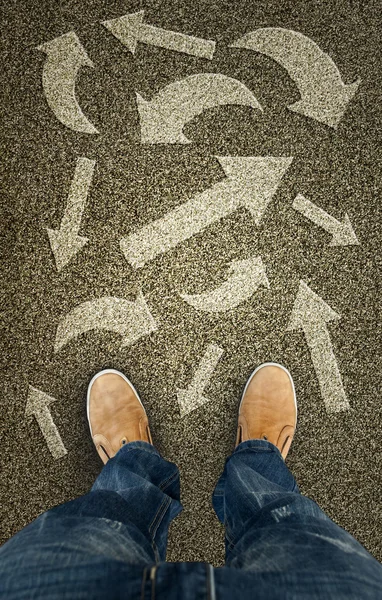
{"type": "Point", "coordinates": [190, 191]}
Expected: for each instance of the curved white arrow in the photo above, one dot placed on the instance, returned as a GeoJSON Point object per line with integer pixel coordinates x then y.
{"type": "Point", "coordinates": [130, 30]}
{"type": "Point", "coordinates": [311, 314]}
{"type": "Point", "coordinates": [132, 320]}
{"type": "Point", "coordinates": [37, 405]}
{"type": "Point", "coordinates": [343, 233]}
{"type": "Point", "coordinates": [163, 117]}
{"type": "Point", "coordinates": [65, 242]}
{"type": "Point", "coordinates": [66, 56]}
{"type": "Point", "coordinates": [192, 397]}
{"type": "Point", "coordinates": [324, 96]}
{"type": "Point", "coordinates": [250, 182]}
{"type": "Point", "coordinates": [246, 276]}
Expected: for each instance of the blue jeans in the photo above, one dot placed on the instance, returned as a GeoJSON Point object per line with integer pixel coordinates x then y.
{"type": "Point", "coordinates": [111, 543]}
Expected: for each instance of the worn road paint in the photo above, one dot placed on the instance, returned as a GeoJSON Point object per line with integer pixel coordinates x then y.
{"type": "Point", "coordinates": [311, 314]}
{"type": "Point", "coordinates": [343, 233]}
{"type": "Point", "coordinates": [245, 278]}
{"type": "Point", "coordinates": [324, 96]}
{"type": "Point", "coordinates": [192, 397]}
{"type": "Point", "coordinates": [37, 405]}
{"type": "Point", "coordinates": [250, 182]}
{"type": "Point", "coordinates": [132, 320]}
{"type": "Point", "coordinates": [66, 56]}
{"type": "Point", "coordinates": [163, 117]}
{"type": "Point", "coordinates": [130, 30]}
{"type": "Point", "coordinates": [65, 242]}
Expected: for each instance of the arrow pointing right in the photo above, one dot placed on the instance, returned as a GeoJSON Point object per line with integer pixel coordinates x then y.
{"type": "Point", "coordinates": [343, 233]}
{"type": "Point", "coordinates": [37, 405]}
{"type": "Point", "coordinates": [311, 314]}
{"type": "Point", "coordinates": [246, 276]}
{"type": "Point", "coordinates": [250, 182]}
{"type": "Point", "coordinates": [132, 320]}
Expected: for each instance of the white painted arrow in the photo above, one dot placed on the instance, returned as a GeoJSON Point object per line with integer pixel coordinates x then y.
{"type": "Point", "coordinates": [132, 320]}
{"type": "Point", "coordinates": [65, 242]}
{"type": "Point", "coordinates": [66, 56]}
{"type": "Point", "coordinates": [343, 233]}
{"type": "Point", "coordinates": [130, 30]}
{"type": "Point", "coordinates": [251, 182]}
{"type": "Point", "coordinates": [192, 397]}
{"type": "Point", "coordinates": [311, 314]}
{"type": "Point", "coordinates": [163, 117]}
{"type": "Point", "coordinates": [246, 276]}
{"type": "Point", "coordinates": [37, 405]}
{"type": "Point", "coordinates": [324, 96]}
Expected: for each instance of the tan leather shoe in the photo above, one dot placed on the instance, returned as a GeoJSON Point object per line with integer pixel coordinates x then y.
{"type": "Point", "coordinates": [115, 413]}
{"type": "Point", "coordinates": [268, 408]}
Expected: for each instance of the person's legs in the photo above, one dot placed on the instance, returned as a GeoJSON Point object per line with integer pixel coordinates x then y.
{"type": "Point", "coordinates": [270, 527]}
{"type": "Point", "coordinates": [84, 546]}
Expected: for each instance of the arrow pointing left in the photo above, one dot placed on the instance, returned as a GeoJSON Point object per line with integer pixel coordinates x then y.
{"type": "Point", "coordinates": [66, 56]}
{"type": "Point", "coordinates": [65, 242]}
{"type": "Point", "coordinates": [37, 405]}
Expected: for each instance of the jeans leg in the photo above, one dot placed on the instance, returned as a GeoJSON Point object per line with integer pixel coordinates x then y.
{"type": "Point", "coordinates": [124, 518]}
{"type": "Point", "coordinates": [272, 527]}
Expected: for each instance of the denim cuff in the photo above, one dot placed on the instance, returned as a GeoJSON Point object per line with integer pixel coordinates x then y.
{"type": "Point", "coordinates": [139, 445]}
{"type": "Point", "coordinates": [260, 445]}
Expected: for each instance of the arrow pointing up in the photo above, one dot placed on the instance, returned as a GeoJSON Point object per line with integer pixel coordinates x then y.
{"type": "Point", "coordinates": [250, 182]}
{"type": "Point", "coordinates": [324, 96]}
{"type": "Point", "coordinates": [192, 397]}
{"type": "Point", "coordinates": [130, 30]}
{"type": "Point", "coordinates": [246, 276]}
{"type": "Point", "coordinates": [37, 405]}
{"type": "Point", "coordinates": [65, 242]}
{"type": "Point", "coordinates": [311, 314]}
{"type": "Point", "coordinates": [343, 233]}
{"type": "Point", "coordinates": [132, 320]}
{"type": "Point", "coordinates": [66, 56]}
{"type": "Point", "coordinates": [163, 117]}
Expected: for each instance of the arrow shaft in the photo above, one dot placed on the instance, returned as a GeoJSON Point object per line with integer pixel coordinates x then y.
{"type": "Point", "coordinates": [78, 193]}
{"type": "Point", "coordinates": [316, 214]}
{"type": "Point", "coordinates": [50, 432]}
{"type": "Point", "coordinates": [176, 41]}
{"type": "Point", "coordinates": [205, 369]}
{"type": "Point", "coordinates": [181, 223]}
{"type": "Point", "coordinates": [325, 365]}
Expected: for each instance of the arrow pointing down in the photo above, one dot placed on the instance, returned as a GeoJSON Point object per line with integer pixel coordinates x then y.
{"type": "Point", "coordinates": [246, 276]}
{"type": "Point", "coordinates": [192, 397]}
{"type": "Point", "coordinates": [311, 314]}
{"type": "Point", "coordinates": [130, 30]}
{"type": "Point", "coordinates": [65, 242]}
{"type": "Point", "coordinates": [250, 182]}
{"type": "Point", "coordinates": [343, 233]}
{"type": "Point", "coordinates": [324, 96]}
{"type": "Point", "coordinates": [37, 405]}
{"type": "Point", "coordinates": [66, 56]}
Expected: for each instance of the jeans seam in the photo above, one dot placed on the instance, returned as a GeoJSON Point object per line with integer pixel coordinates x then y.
{"type": "Point", "coordinates": [167, 481]}
{"type": "Point", "coordinates": [159, 516]}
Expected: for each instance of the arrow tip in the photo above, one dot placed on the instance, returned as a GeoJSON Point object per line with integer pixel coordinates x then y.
{"type": "Point", "coordinates": [251, 268]}
{"type": "Point", "coordinates": [328, 108]}
{"type": "Point", "coordinates": [64, 246]}
{"type": "Point", "coordinates": [126, 29]}
{"type": "Point", "coordinates": [66, 45]}
{"type": "Point", "coordinates": [309, 309]}
{"type": "Point", "coordinates": [189, 401]}
{"type": "Point", "coordinates": [36, 401]}
{"type": "Point", "coordinates": [345, 235]}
